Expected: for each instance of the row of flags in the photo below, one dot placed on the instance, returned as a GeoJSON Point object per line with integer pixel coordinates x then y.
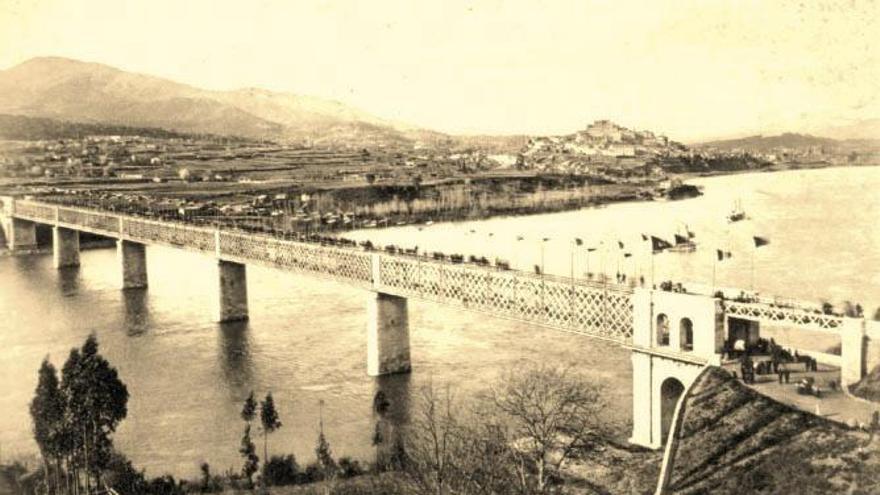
{"type": "Point", "coordinates": [659, 244]}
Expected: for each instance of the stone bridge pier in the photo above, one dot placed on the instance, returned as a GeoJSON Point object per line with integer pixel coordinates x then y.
{"type": "Point", "coordinates": [20, 234]}
{"type": "Point", "coordinates": [387, 334]}
{"type": "Point", "coordinates": [232, 299]}
{"type": "Point", "coordinates": [132, 258]}
{"type": "Point", "coordinates": [65, 247]}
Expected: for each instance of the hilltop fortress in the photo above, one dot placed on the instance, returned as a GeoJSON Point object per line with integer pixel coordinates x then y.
{"type": "Point", "coordinates": [602, 143]}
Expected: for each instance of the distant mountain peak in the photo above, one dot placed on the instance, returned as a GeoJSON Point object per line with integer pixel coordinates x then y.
{"type": "Point", "coordinates": [77, 91]}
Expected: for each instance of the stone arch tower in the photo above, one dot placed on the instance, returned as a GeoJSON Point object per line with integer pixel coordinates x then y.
{"type": "Point", "coordinates": [675, 336]}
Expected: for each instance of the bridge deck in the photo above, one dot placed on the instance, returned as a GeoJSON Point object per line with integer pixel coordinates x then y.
{"type": "Point", "coordinates": [581, 306]}
{"type": "Point", "coordinates": [576, 305]}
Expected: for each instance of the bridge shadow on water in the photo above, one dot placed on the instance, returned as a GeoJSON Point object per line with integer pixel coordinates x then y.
{"type": "Point", "coordinates": [391, 411]}
{"type": "Point", "coordinates": [136, 312]}
{"type": "Point", "coordinates": [69, 281]}
{"type": "Point", "coordinates": [235, 356]}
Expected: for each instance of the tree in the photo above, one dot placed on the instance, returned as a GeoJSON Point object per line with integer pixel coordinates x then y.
{"type": "Point", "coordinates": [280, 470]}
{"type": "Point", "coordinates": [429, 441]}
{"type": "Point", "coordinates": [269, 420]}
{"type": "Point", "coordinates": [452, 450]}
{"type": "Point", "coordinates": [550, 413]}
{"type": "Point", "coordinates": [248, 412]}
{"type": "Point", "coordinates": [95, 402]}
{"type": "Point", "coordinates": [377, 440]}
{"type": "Point", "coordinates": [249, 452]}
{"type": "Point", "coordinates": [47, 413]}
{"type": "Point", "coordinates": [325, 457]}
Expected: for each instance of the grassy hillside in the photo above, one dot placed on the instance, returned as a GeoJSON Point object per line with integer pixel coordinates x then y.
{"type": "Point", "coordinates": [735, 441]}
{"type": "Point", "coordinates": [869, 386]}
{"type": "Point", "coordinates": [22, 128]}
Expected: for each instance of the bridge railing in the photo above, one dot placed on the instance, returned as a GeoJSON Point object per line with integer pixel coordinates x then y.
{"type": "Point", "coordinates": [577, 307]}
{"type": "Point", "coordinates": [91, 219]}
{"type": "Point", "coordinates": [792, 316]}
{"type": "Point", "coordinates": [34, 210]}
{"type": "Point", "coordinates": [176, 234]}
{"type": "Point", "coordinates": [341, 263]}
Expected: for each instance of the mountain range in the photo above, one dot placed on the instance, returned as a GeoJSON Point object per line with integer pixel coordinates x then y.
{"type": "Point", "coordinates": [83, 92]}
{"type": "Point", "coordinates": [71, 90]}
{"type": "Point", "coordinates": [786, 140]}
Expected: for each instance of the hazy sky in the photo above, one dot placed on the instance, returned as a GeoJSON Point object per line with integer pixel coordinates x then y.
{"type": "Point", "coordinates": [689, 69]}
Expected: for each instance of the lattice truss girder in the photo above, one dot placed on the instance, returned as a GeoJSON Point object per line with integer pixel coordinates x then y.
{"type": "Point", "coordinates": [588, 309]}
{"type": "Point", "coordinates": [784, 316]}
{"type": "Point", "coordinates": [342, 264]}
{"type": "Point", "coordinates": [584, 309]}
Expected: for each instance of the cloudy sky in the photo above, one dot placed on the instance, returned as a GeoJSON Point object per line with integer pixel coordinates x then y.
{"type": "Point", "coordinates": [691, 69]}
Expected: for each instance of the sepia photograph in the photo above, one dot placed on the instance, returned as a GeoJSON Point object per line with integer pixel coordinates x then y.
{"type": "Point", "coordinates": [451, 247]}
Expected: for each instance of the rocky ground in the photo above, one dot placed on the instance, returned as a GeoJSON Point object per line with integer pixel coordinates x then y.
{"type": "Point", "coordinates": [735, 440]}
{"type": "Point", "coordinates": [869, 386]}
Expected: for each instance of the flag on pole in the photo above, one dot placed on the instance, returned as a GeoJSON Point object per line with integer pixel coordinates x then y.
{"type": "Point", "coordinates": [761, 241]}
{"type": "Point", "coordinates": [658, 244]}
{"type": "Point", "coordinates": [578, 241]}
{"type": "Point", "coordinates": [722, 255]}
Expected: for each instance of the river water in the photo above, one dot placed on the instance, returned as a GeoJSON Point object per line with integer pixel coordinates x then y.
{"type": "Point", "coordinates": [305, 341]}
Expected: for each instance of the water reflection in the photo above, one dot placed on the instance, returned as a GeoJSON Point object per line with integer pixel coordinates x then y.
{"type": "Point", "coordinates": [69, 281]}
{"type": "Point", "coordinates": [391, 398]}
{"type": "Point", "coordinates": [236, 359]}
{"type": "Point", "coordinates": [136, 312]}
{"type": "Point", "coordinates": [391, 412]}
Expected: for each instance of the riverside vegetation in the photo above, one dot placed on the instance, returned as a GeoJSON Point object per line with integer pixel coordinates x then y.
{"type": "Point", "coordinates": [521, 435]}
{"type": "Point", "coordinates": [533, 431]}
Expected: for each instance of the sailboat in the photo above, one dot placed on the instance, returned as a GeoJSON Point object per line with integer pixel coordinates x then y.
{"type": "Point", "coordinates": [684, 243]}
{"type": "Point", "coordinates": [737, 213]}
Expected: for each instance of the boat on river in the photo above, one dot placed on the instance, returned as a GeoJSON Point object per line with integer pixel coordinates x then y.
{"type": "Point", "coordinates": [684, 243]}
{"type": "Point", "coordinates": [737, 213]}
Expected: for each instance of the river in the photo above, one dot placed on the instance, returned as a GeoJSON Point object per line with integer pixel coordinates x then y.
{"type": "Point", "coordinates": [305, 341]}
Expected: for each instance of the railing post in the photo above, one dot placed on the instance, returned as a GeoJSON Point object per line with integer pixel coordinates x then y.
{"type": "Point", "coordinates": [121, 229]}
{"type": "Point", "coordinates": [217, 243]}
{"type": "Point", "coordinates": [375, 268]}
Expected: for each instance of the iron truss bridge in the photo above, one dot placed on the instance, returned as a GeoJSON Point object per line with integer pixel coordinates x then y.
{"type": "Point", "coordinates": [580, 306]}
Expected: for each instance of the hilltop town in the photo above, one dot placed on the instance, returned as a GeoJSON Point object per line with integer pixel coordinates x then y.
{"type": "Point", "coordinates": [603, 145]}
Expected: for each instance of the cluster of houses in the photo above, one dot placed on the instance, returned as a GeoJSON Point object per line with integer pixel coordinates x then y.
{"type": "Point", "coordinates": [602, 147]}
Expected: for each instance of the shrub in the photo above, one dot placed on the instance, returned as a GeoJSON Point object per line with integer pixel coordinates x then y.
{"type": "Point", "coordinates": [349, 468]}
{"type": "Point", "coordinates": [281, 470]}
{"type": "Point", "coordinates": [164, 485]}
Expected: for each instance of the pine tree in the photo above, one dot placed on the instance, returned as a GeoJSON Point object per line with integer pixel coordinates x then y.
{"type": "Point", "coordinates": [47, 413]}
{"type": "Point", "coordinates": [269, 420]}
{"type": "Point", "coordinates": [96, 401]}
{"type": "Point", "coordinates": [377, 440]}
{"type": "Point", "coordinates": [249, 411]}
{"type": "Point", "coordinates": [325, 457]}
{"type": "Point", "coordinates": [249, 452]}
